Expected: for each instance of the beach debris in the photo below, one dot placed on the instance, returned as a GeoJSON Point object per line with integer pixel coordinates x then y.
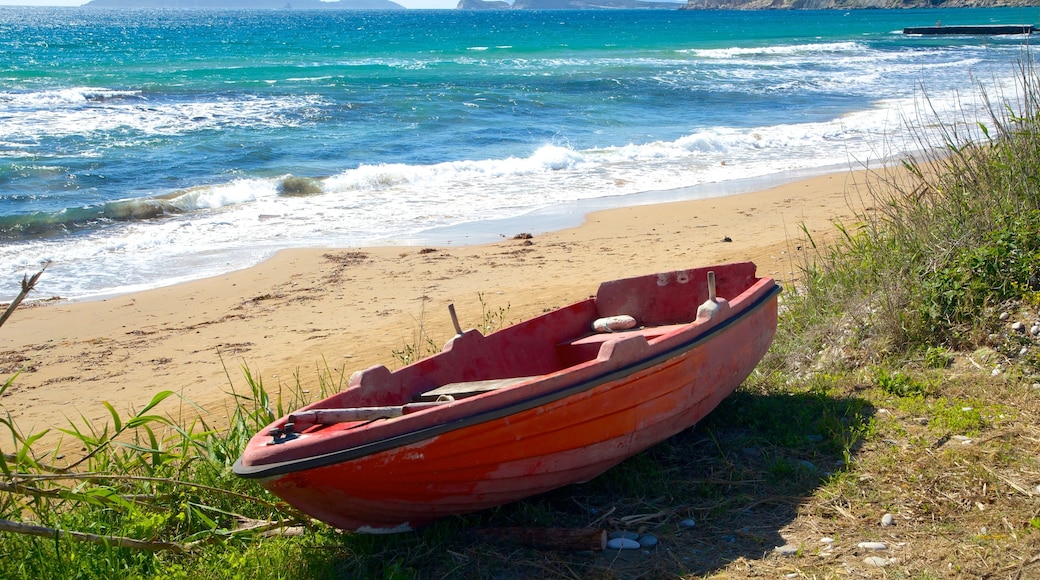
{"type": "Point", "coordinates": [786, 550]}
{"type": "Point", "coordinates": [523, 236]}
{"type": "Point", "coordinates": [727, 239]}
{"type": "Point", "coordinates": [27, 286]}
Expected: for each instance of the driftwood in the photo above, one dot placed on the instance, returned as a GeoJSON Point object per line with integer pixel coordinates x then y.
{"type": "Point", "coordinates": [563, 539]}
{"type": "Point", "coordinates": [27, 285]}
{"type": "Point", "coordinates": [246, 525]}
{"type": "Point", "coordinates": [118, 541]}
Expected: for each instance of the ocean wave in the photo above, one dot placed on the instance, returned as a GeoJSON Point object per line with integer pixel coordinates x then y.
{"type": "Point", "coordinates": [383, 176]}
{"type": "Point", "coordinates": [73, 219]}
{"type": "Point", "coordinates": [775, 50]}
{"type": "Point", "coordinates": [72, 96]}
{"type": "Point", "coordinates": [26, 118]}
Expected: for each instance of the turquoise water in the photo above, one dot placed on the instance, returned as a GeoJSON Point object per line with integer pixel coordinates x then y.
{"type": "Point", "coordinates": [140, 148]}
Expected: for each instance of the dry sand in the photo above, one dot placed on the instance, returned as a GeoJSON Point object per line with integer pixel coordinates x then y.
{"type": "Point", "coordinates": [346, 309]}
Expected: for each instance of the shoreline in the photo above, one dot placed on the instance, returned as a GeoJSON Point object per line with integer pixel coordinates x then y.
{"type": "Point", "coordinates": [305, 312]}
{"type": "Point", "coordinates": [540, 221]}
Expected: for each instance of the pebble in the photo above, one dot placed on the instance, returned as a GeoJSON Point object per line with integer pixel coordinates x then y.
{"type": "Point", "coordinates": [786, 550]}
{"type": "Point", "coordinates": [625, 535]}
{"type": "Point", "coordinates": [647, 540]}
{"type": "Point", "coordinates": [827, 540]}
{"type": "Point", "coordinates": [1034, 330]}
{"type": "Point", "coordinates": [877, 561]}
{"type": "Point", "coordinates": [1004, 315]}
{"type": "Point", "coordinates": [1018, 327]}
{"type": "Point", "coordinates": [687, 523]}
{"type": "Point", "coordinates": [872, 545]}
{"type": "Point", "coordinates": [622, 544]}
{"type": "Point", "coordinates": [888, 520]}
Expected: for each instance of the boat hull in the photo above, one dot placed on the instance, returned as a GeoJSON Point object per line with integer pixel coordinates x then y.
{"type": "Point", "coordinates": [572, 439]}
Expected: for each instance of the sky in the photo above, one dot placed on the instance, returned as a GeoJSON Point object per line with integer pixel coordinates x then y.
{"type": "Point", "coordinates": [405, 3]}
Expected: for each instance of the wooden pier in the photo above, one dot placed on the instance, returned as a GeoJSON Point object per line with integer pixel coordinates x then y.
{"type": "Point", "coordinates": [974, 29]}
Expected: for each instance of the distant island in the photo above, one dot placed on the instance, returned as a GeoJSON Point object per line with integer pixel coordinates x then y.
{"type": "Point", "coordinates": [850, 4]}
{"type": "Point", "coordinates": [736, 4]}
{"type": "Point", "coordinates": [570, 5]}
{"type": "Point", "coordinates": [249, 4]}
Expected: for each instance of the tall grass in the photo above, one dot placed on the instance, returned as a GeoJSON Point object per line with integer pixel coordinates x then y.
{"type": "Point", "coordinates": [144, 492]}
{"type": "Point", "coordinates": [946, 238]}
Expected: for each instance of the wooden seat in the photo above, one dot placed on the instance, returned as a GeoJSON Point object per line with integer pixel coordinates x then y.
{"type": "Point", "coordinates": [586, 348]}
{"type": "Point", "coordinates": [465, 389]}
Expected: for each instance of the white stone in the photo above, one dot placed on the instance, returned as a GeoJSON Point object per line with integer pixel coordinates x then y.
{"type": "Point", "coordinates": [877, 561]}
{"type": "Point", "coordinates": [786, 550]}
{"type": "Point", "coordinates": [1018, 327]}
{"type": "Point", "coordinates": [687, 523]}
{"type": "Point", "coordinates": [1004, 315]}
{"type": "Point", "coordinates": [826, 540]}
{"type": "Point", "coordinates": [622, 544]}
{"type": "Point", "coordinates": [888, 520]}
{"type": "Point", "coordinates": [872, 545]}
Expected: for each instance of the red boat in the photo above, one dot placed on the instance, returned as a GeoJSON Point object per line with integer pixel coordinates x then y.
{"type": "Point", "coordinates": [532, 407]}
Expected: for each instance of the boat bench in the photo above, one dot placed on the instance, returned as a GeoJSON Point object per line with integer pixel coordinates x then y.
{"type": "Point", "coordinates": [464, 389]}
{"type": "Point", "coordinates": [586, 348]}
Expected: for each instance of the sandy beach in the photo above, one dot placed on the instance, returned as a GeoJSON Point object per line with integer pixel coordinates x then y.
{"type": "Point", "coordinates": [345, 309]}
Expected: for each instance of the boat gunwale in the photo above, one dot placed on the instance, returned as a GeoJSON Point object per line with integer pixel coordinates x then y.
{"type": "Point", "coordinates": [373, 447]}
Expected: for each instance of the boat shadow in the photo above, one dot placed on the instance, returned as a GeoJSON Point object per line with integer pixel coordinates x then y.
{"type": "Point", "coordinates": [722, 491]}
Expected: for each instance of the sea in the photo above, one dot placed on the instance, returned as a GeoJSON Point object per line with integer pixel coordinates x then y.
{"type": "Point", "coordinates": [142, 148]}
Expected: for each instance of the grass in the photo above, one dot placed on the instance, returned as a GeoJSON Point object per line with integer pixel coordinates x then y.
{"type": "Point", "coordinates": [896, 385]}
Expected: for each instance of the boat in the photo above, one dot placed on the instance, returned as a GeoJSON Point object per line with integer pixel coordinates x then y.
{"type": "Point", "coordinates": [971, 29]}
{"type": "Point", "coordinates": [551, 401]}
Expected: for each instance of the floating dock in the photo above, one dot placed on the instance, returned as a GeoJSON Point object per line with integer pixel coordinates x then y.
{"type": "Point", "coordinates": [976, 29]}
